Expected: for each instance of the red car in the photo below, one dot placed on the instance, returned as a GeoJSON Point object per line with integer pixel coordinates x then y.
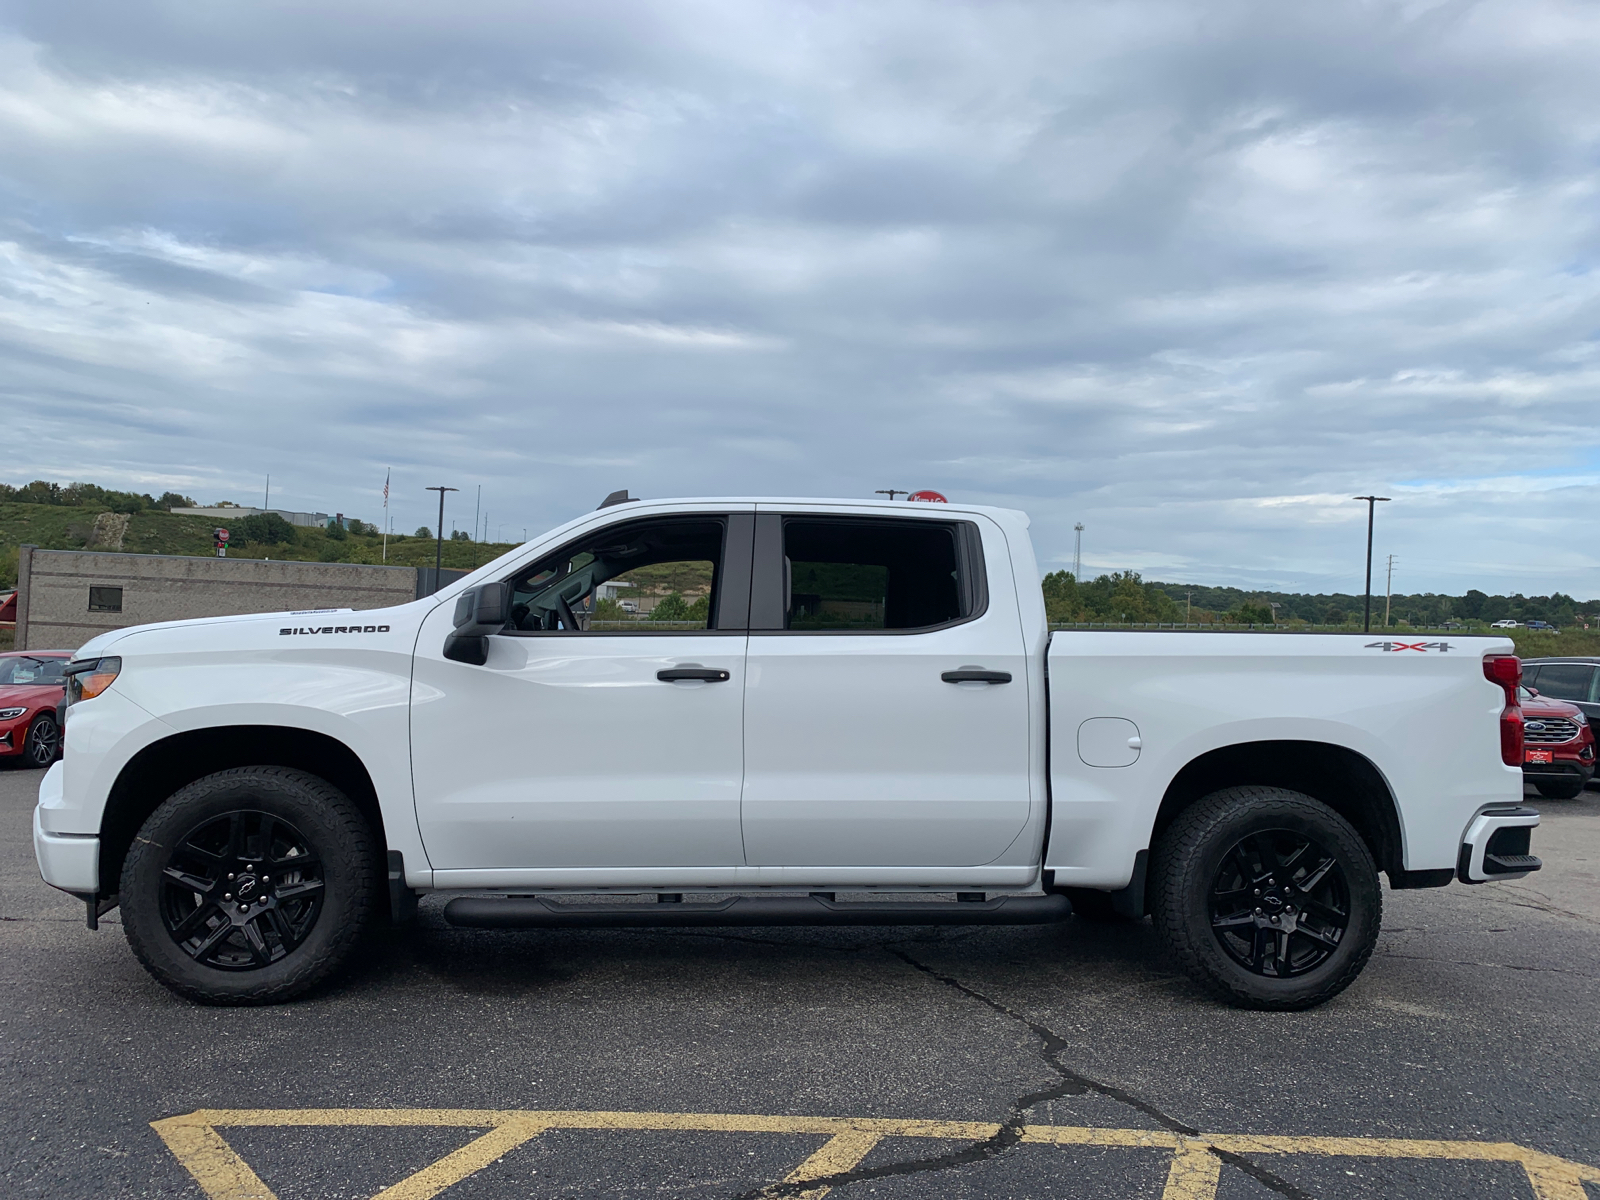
{"type": "Point", "coordinates": [1558, 746]}
{"type": "Point", "coordinates": [33, 689]}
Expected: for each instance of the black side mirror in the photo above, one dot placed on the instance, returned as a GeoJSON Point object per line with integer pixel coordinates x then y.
{"type": "Point", "coordinates": [480, 611]}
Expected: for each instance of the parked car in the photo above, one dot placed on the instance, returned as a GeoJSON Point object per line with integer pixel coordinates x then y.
{"type": "Point", "coordinates": [32, 696]}
{"type": "Point", "coordinates": [1544, 625]}
{"type": "Point", "coordinates": [8, 610]}
{"type": "Point", "coordinates": [872, 703]}
{"type": "Point", "coordinates": [1506, 625]}
{"type": "Point", "coordinates": [1575, 679]}
{"type": "Point", "coordinates": [1558, 746]}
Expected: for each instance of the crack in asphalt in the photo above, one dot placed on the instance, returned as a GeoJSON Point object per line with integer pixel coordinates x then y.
{"type": "Point", "coordinates": [1009, 1135]}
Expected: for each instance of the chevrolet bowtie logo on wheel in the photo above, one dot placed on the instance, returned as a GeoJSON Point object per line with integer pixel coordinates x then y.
{"type": "Point", "coordinates": [1192, 1170]}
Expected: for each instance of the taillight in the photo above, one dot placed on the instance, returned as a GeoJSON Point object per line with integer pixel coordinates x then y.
{"type": "Point", "coordinates": [1506, 670]}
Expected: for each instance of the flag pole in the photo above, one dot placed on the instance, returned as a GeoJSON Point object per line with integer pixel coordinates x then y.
{"type": "Point", "coordinates": [386, 474]}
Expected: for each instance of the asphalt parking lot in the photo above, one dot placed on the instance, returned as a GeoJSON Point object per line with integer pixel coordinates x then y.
{"type": "Point", "coordinates": [1059, 1062]}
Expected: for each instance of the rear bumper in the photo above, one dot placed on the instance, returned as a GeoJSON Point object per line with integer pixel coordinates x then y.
{"type": "Point", "coordinates": [68, 861]}
{"type": "Point", "coordinates": [1497, 843]}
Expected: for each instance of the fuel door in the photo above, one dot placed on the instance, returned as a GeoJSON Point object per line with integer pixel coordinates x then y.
{"type": "Point", "coordinates": [1109, 742]}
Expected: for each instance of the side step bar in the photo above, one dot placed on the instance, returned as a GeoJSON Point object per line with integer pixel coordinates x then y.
{"type": "Point", "coordinates": [537, 912]}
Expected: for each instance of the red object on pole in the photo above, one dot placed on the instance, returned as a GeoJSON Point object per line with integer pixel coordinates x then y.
{"type": "Point", "coordinates": [928, 497]}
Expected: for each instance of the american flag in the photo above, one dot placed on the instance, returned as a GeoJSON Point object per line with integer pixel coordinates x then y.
{"type": "Point", "coordinates": [386, 489]}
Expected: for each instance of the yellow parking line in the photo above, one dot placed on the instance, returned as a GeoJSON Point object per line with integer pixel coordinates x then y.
{"type": "Point", "coordinates": [1193, 1173]}
{"type": "Point", "coordinates": [458, 1164]}
{"type": "Point", "coordinates": [220, 1172]}
{"type": "Point", "coordinates": [842, 1152]}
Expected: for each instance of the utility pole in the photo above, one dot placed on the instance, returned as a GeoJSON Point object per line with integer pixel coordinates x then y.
{"type": "Point", "coordinates": [266, 501]}
{"type": "Point", "coordinates": [1372, 505]}
{"type": "Point", "coordinates": [1077, 552]}
{"type": "Point", "coordinates": [438, 550]}
{"type": "Point", "coordinates": [1188, 604]}
{"type": "Point", "coordinates": [477, 515]}
{"type": "Point", "coordinates": [891, 492]}
{"type": "Point", "coordinates": [1388, 592]}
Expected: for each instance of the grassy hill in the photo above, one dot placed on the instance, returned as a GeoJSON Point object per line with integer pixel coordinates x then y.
{"type": "Point", "coordinates": [63, 527]}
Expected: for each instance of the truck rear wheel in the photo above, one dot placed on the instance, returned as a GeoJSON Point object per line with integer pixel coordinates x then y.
{"type": "Point", "coordinates": [1267, 898]}
{"type": "Point", "coordinates": [249, 886]}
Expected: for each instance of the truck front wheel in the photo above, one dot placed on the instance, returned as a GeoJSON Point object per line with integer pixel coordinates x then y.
{"type": "Point", "coordinates": [1266, 897]}
{"type": "Point", "coordinates": [249, 886]}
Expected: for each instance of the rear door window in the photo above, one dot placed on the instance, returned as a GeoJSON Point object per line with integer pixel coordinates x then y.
{"type": "Point", "coordinates": [862, 575]}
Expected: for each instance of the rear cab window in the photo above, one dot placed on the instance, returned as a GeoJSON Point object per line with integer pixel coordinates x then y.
{"type": "Point", "coordinates": [823, 574]}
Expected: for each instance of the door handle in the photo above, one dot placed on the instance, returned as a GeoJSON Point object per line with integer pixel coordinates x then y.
{"type": "Point", "coordinates": [705, 674]}
{"type": "Point", "coordinates": [976, 675]}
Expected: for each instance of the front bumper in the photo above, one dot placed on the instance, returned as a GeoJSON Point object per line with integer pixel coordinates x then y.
{"type": "Point", "coordinates": [68, 861]}
{"type": "Point", "coordinates": [1496, 845]}
{"type": "Point", "coordinates": [1562, 770]}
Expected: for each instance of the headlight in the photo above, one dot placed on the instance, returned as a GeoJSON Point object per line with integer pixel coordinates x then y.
{"type": "Point", "coordinates": [87, 679]}
{"type": "Point", "coordinates": [1578, 716]}
{"type": "Point", "coordinates": [7, 713]}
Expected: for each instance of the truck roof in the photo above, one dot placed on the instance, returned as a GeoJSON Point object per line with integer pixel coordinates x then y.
{"type": "Point", "coordinates": [898, 507]}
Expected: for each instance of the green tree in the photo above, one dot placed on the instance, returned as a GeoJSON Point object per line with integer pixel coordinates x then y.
{"type": "Point", "coordinates": [670, 608]}
{"type": "Point", "coordinates": [267, 529]}
{"type": "Point", "coordinates": [423, 532]}
{"type": "Point", "coordinates": [1252, 614]}
{"type": "Point", "coordinates": [699, 611]}
{"type": "Point", "coordinates": [1061, 600]}
{"type": "Point", "coordinates": [172, 500]}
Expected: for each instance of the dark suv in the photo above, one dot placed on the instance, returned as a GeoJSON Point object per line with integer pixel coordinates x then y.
{"type": "Point", "coordinates": [1574, 679]}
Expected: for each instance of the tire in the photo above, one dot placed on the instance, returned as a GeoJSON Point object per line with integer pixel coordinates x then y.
{"type": "Point", "coordinates": [271, 850]}
{"type": "Point", "coordinates": [1282, 945]}
{"type": "Point", "coordinates": [43, 745]}
{"type": "Point", "coordinates": [1560, 791]}
{"type": "Point", "coordinates": [1094, 905]}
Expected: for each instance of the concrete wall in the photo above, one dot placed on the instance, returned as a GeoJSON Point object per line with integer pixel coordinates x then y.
{"type": "Point", "coordinates": [53, 602]}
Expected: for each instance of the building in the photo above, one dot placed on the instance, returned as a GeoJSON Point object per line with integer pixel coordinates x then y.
{"type": "Point", "coordinates": [222, 514]}
{"type": "Point", "coordinates": [66, 597]}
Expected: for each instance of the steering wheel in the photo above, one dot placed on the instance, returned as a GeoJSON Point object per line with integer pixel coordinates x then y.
{"type": "Point", "coordinates": [567, 619]}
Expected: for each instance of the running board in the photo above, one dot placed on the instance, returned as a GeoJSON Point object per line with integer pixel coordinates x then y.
{"type": "Point", "coordinates": [537, 912]}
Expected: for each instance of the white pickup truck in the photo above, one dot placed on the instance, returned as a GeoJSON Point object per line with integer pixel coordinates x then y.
{"type": "Point", "coordinates": [821, 712]}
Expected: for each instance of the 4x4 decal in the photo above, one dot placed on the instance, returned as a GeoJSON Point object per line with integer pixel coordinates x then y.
{"type": "Point", "coordinates": [1424, 647]}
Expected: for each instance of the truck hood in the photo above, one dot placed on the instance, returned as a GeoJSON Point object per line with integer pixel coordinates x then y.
{"type": "Point", "coordinates": [246, 629]}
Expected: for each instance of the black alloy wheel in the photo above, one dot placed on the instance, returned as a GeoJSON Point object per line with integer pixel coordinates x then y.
{"type": "Point", "coordinates": [44, 741]}
{"type": "Point", "coordinates": [250, 886]}
{"type": "Point", "coordinates": [1267, 898]}
{"type": "Point", "coordinates": [240, 891]}
{"type": "Point", "coordinates": [1280, 903]}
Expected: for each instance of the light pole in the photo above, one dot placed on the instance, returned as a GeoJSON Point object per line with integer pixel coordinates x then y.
{"type": "Point", "coordinates": [1077, 552]}
{"type": "Point", "coordinates": [439, 530]}
{"type": "Point", "coordinates": [891, 492]}
{"type": "Point", "coordinates": [1372, 506]}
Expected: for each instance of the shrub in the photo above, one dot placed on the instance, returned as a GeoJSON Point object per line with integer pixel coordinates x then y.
{"type": "Point", "coordinates": [267, 529]}
{"type": "Point", "coordinates": [671, 608]}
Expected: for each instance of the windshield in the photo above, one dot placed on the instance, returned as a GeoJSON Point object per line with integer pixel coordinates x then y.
{"type": "Point", "coordinates": [25, 669]}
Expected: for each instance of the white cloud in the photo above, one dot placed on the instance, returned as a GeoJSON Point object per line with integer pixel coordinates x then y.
{"type": "Point", "coordinates": [1193, 279]}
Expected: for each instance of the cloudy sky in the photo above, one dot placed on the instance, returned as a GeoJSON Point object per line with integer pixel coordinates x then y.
{"type": "Point", "coordinates": [1193, 274]}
